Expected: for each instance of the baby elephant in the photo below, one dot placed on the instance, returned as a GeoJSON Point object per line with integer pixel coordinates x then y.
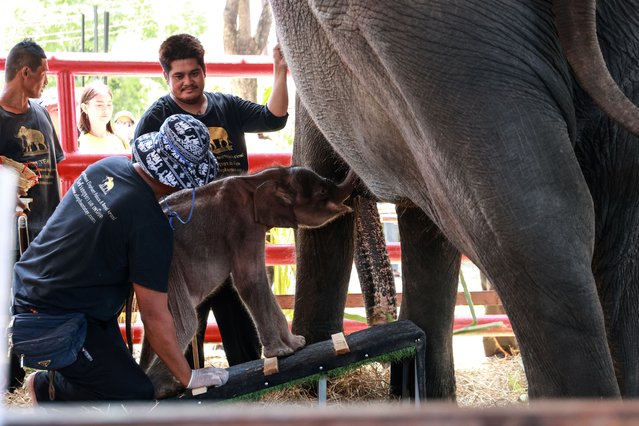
{"type": "Point", "coordinates": [226, 235]}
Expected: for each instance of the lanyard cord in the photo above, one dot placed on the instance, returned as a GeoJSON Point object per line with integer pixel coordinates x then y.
{"type": "Point", "coordinates": [173, 214]}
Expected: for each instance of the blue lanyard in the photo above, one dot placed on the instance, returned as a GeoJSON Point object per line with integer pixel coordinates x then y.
{"type": "Point", "coordinates": [173, 214]}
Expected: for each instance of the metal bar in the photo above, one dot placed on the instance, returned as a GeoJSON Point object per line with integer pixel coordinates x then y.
{"type": "Point", "coordinates": [416, 380]}
{"type": "Point", "coordinates": [106, 32]}
{"type": "Point", "coordinates": [321, 390]}
{"type": "Point", "coordinates": [356, 300]}
{"type": "Point", "coordinates": [89, 63]}
{"type": "Point", "coordinates": [212, 334]}
{"type": "Point", "coordinates": [95, 28]}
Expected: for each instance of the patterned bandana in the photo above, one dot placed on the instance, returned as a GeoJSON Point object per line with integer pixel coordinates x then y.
{"type": "Point", "coordinates": [178, 155]}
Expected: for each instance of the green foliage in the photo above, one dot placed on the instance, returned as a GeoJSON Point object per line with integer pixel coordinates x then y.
{"type": "Point", "coordinates": [266, 95]}
{"type": "Point", "coordinates": [135, 94]}
{"type": "Point", "coordinates": [283, 275]}
{"type": "Point", "coordinates": [355, 317]}
{"type": "Point", "coordinates": [515, 383]}
{"type": "Point", "coordinates": [57, 27]}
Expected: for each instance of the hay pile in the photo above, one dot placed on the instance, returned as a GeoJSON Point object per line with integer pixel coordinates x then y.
{"type": "Point", "coordinates": [500, 382]}
{"type": "Point", "coordinates": [497, 382]}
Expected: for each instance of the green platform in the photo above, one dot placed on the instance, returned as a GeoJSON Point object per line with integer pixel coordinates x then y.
{"type": "Point", "coordinates": [400, 340]}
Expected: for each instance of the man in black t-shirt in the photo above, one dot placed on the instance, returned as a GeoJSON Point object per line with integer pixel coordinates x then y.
{"type": "Point", "coordinates": [227, 118]}
{"type": "Point", "coordinates": [27, 136]}
{"type": "Point", "coordinates": [111, 220]}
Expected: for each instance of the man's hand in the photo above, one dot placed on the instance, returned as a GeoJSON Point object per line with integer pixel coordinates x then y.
{"type": "Point", "coordinates": [279, 62]}
{"type": "Point", "coordinates": [209, 376]}
{"type": "Point", "coordinates": [278, 102]}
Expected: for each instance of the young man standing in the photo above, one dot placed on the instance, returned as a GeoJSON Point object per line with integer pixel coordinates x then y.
{"type": "Point", "coordinates": [227, 118]}
{"type": "Point", "coordinates": [111, 219]}
{"type": "Point", "coordinates": [28, 136]}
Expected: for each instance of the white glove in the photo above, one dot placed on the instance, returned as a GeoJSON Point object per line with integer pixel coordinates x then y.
{"type": "Point", "coordinates": [209, 376]}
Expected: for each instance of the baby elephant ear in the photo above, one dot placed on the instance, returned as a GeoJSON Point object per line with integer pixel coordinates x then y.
{"type": "Point", "coordinates": [274, 206]}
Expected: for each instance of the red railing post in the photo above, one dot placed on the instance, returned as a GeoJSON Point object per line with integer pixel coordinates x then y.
{"type": "Point", "coordinates": [68, 129]}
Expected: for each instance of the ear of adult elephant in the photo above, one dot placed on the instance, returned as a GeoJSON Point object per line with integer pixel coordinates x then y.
{"type": "Point", "coordinates": [577, 28]}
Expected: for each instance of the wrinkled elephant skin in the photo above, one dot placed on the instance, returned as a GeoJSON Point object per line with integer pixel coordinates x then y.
{"type": "Point", "coordinates": [469, 111]}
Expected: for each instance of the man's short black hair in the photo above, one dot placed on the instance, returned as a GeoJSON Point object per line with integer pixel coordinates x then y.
{"type": "Point", "coordinates": [181, 46]}
{"type": "Point", "coordinates": [26, 53]}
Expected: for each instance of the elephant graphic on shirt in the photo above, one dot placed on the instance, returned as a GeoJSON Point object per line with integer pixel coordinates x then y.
{"type": "Point", "coordinates": [220, 141]}
{"type": "Point", "coordinates": [32, 141]}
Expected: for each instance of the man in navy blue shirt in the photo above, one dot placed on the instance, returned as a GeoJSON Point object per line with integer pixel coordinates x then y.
{"type": "Point", "coordinates": [109, 234]}
{"type": "Point", "coordinates": [227, 117]}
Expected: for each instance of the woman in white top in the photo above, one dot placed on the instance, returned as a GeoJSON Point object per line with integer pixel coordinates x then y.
{"type": "Point", "coordinates": [96, 131]}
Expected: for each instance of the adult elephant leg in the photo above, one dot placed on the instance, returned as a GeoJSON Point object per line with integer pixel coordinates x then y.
{"type": "Point", "coordinates": [609, 159]}
{"type": "Point", "coordinates": [538, 256]}
{"type": "Point", "coordinates": [430, 275]}
{"type": "Point", "coordinates": [617, 275]}
{"type": "Point", "coordinates": [239, 333]}
{"type": "Point", "coordinates": [324, 255]}
{"type": "Point", "coordinates": [616, 259]}
{"type": "Point", "coordinates": [324, 262]}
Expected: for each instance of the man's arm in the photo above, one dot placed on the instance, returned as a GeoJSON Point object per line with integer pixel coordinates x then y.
{"type": "Point", "coordinates": [160, 330]}
{"type": "Point", "coordinates": [278, 102]}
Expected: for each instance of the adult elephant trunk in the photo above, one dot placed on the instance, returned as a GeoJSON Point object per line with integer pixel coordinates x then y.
{"type": "Point", "coordinates": [577, 28]}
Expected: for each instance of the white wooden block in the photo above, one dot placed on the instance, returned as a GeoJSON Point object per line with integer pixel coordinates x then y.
{"type": "Point", "coordinates": [270, 366]}
{"type": "Point", "coordinates": [339, 343]}
{"type": "Point", "coordinates": [199, 391]}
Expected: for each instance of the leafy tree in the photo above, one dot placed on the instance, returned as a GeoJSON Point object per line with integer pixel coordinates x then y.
{"type": "Point", "coordinates": [145, 89]}
{"type": "Point", "coordinates": [239, 41]}
{"type": "Point", "coordinates": [133, 25]}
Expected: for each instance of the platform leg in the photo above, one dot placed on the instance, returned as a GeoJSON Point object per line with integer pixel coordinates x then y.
{"type": "Point", "coordinates": [415, 377]}
{"type": "Point", "coordinates": [405, 371]}
{"type": "Point", "coordinates": [321, 390]}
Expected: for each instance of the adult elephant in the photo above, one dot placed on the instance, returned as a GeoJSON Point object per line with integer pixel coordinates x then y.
{"type": "Point", "coordinates": [467, 115]}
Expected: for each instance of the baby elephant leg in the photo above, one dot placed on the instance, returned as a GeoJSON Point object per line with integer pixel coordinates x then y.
{"type": "Point", "coordinates": [277, 338]}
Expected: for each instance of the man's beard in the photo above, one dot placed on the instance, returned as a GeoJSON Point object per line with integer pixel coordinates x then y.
{"type": "Point", "coordinates": [192, 99]}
